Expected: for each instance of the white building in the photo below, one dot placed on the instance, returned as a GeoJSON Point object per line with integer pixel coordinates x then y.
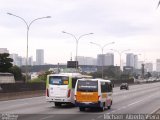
{"type": "Point", "coordinates": [86, 60]}
{"type": "Point", "coordinates": [140, 64]}
{"type": "Point", "coordinates": [105, 59]}
{"type": "Point", "coordinates": [100, 59]}
{"type": "Point", "coordinates": [109, 59]}
{"type": "Point", "coordinates": [23, 61]}
{"type": "Point", "coordinates": [158, 65]}
{"type": "Point", "coordinates": [17, 60]}
{"type": "Point", "coordinates": [30, 61]}
{"type": "Point", "coordinates": [130, 59]}
{"type": "Point", "coordinates": [39, 57]}
{"type": "Point", "coordinates": [136, 61]}
{"type": "Point", "coordinates": [20, 61]}
{"type": "Point", "coordinates": [3, 50]}
{"type": "Point", "coordinates": [148, 67]}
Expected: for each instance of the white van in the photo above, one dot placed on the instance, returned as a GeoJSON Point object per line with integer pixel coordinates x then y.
{"type": "Point", "coordinates": [93, 93]}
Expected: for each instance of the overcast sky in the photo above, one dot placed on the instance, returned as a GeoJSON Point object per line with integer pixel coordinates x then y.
{"type": "Point", "coordinates": [131, 24]}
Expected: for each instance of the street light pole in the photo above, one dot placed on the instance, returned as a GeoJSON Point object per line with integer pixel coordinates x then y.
{"type": "Point", "coordinates": [102, 48]}
{"type": "Point", "coordinates": [77, 41]}
{"type": "Point", "coordinates": [158, 4]}
{"type": "Point", "coordinates": [28, 28]}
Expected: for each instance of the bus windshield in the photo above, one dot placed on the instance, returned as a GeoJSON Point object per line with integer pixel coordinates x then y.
{"type": "Point", "coordinates": [58, 80]}
{"type": "Point", "coordinates": [87, 86]}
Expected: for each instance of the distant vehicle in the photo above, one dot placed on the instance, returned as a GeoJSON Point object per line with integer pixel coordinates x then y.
{"type": "Point", "coordinates": [124, 86]}
{"type": "Point", "coordinates": [93, 93]}
{"type": "Point", "coordinates": [60, 87]}
{"type": "Point", "coordinates": [34, 75]}
{"type": "Point", "coordinates": [157, 79]}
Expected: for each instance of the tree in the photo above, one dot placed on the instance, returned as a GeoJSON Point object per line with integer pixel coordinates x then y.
{"type": "Point", "coordinates": [97, 74]}
{"type": "Point", "coordinates": [110, 71]}
{"type": "Point", "coordinates": [148, 75]}
{"type": "Point", "coordinates": [41, 77]}
{"type": "Point", "coordinates": [5, 62]}
{"type": "Point", "coordinates": [16, 71]}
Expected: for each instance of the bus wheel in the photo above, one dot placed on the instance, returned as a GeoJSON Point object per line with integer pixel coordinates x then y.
{"type": "Point", "coordinates": [109, 107]}
{"type": "Point", "coordinates": [81, 108]}
{"type": "Point", "coordinates": [57, 104]}
{"type": "Point", "coordinates": [102, 108]}
{"type": "Point", "coordinates": [72, 105]}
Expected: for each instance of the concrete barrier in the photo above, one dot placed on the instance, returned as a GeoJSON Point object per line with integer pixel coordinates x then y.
{"type": "Point", "coordinates": [21, 95]}
{"type": "Point", "coordinates": [20, 87]}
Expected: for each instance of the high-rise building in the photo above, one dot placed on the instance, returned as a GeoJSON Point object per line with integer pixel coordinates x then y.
{"type": "Point", "coordinates": [140, 64]}
{"type": "Point", "coordinates": [130, 60]}
{"type": "Point", "coordinates": [105, 59]}
{"type": "Point", "coordinates": [39, 57]}
{"type": "Point", "coordinates": [30, 61]}
{"type": "Point", "coordinates": [17, 60]}
{"type": "Point", "coordinates": [3, 50]}
{"type": "Point", "coordinates": [158, 65]}
{"type": "Point", "coordinates": [148, 67]}
{"type": "Point", "coordinates": [136, 61]}
{"type": "Point", "coordinates": [100, 59]}
{"type": "Point", "coordinates": [86, 60]}
{"type": "Point", "coordinates": [109, 59]}
{"type": "Point", "coordinates": [23, 61]}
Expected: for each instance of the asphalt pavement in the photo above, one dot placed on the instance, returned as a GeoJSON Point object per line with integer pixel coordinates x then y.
{"type": "Point", "coordinates": [139, 99]}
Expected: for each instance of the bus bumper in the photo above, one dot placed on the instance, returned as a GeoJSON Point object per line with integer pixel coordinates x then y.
{"type": "Point", "coordinates": [62, 100]}
{"type": "Point", "coordinates": [88, 105]}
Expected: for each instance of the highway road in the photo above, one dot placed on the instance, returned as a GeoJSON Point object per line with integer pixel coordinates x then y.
{"type": "Point", "coordinates": [139, 99]}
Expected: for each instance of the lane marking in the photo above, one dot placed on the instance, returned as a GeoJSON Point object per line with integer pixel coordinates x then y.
{"type": "Point", "coordinates": [155, 110]}
{"type": "Point", "coordinates": [131, 104]}
{"type": "Point", "coordinates": [22, 99]}
{"type": "Point", "coordinates": [99, 116]}
{"type": "Point", "coordinates": [47, 117]}
{"type": "Point", "coordinates": [15, 106]}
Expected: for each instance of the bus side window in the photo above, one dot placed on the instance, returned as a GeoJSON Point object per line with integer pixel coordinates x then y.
{"type": "Point", "coordinates": [109, 87]}
{"type": "Point", "coordinates": [103, 87]}
{"type": "Point", "coordinates": [74, 80]}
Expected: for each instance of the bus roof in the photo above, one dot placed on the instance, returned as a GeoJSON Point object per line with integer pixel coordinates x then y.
{"type": "Point", "coordinates": [95, 79]}
{"type": "Point", "coordinates": [71, 74]}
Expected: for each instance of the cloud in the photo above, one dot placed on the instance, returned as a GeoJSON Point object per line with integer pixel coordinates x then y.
{"type": "Point", "coordinates": [121, 21]}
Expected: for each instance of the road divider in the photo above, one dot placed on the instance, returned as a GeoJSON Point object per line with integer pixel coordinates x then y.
{"type": "Point", "coordinates": [21, 95]}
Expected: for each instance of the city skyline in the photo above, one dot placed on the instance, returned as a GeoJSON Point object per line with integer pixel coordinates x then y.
{"type": "Point", "coordinates": [20, 60]}
{"type": "Point", "coordinates": [130, 24]}
{"type": "Point", "coordinates": [131, 60]}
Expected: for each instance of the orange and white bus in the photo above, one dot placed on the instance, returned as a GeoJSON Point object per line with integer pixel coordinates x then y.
{"type": "Point", "coordinates": [60, 87]}
{"type": "Point", "coordinates": [93, 93]}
